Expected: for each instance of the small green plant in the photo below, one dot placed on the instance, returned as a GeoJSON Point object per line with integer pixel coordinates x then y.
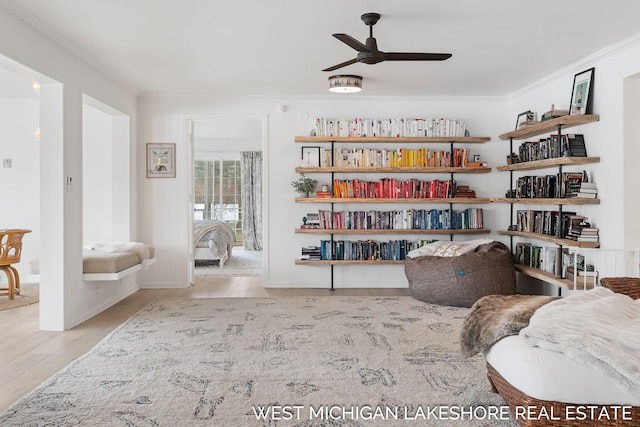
{"type": "Point", "coordinates": [304, 184]}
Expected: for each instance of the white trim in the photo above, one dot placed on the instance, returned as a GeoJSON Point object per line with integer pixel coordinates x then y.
{"type": "Point", "coordinates": [580, 65]}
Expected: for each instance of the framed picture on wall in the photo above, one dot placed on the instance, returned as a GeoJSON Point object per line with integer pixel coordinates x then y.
{"type": "Point", "coordinates": [161, 160]}
{"type": "Point", "coordinates": [582, 93]}
{"type": "Point", "coordinates": [310, 157]}
{"type": "Point", "coordinates": [523, 118]}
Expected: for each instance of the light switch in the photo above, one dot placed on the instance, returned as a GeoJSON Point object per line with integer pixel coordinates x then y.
{"type": "Point", "coordinates": [6, 163]}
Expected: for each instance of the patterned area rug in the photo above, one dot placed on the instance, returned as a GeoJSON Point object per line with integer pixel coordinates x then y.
{"type": "Point", "coordinates": [241, 263]}
{"type": "Point", "coordinates": [28, 295]}
{"type": "Point", "coordinates": [322, 361]}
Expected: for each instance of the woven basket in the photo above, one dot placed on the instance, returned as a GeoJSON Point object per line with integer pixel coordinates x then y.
{"type": "Point", "coordinates": [623, 285]}
{"type": "Point", "coordinates": [514, 397]}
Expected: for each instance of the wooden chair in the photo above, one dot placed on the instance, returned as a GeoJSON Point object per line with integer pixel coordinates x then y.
{"type": "Point", "coordinates": [10, 250]}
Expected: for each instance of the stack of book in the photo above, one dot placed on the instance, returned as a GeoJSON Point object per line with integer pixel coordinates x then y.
{"type": "Point", "coordinates": [581, 230]}
{"type": "Point", "coordinates": [311, 253]}
{"type": "Point", "coordinates": [583, 277]}
{"type": "Point", "coordinates": [311, 220]}
{"type": "Point", "coordinates": [588, 234]}
{"type": "Point", "coordinates": [465, 191]}
{"type": "Point", "coordinates": [588, 190]}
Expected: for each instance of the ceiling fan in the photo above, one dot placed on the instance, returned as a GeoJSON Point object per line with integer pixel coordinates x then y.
{"type": "Point", "coordinates": [369, 54]}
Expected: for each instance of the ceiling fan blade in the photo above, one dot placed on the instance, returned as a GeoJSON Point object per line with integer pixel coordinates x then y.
{"type": "Point", "coordinates": [344, 64]}
{"type": "Point", "coordinates": [355, 44]}
{"type": "Point", "coordinates": [406, 56]}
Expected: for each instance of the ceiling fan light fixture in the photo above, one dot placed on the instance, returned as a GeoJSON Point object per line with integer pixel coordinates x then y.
{"type": "Point", "coordinates": [345, 83]}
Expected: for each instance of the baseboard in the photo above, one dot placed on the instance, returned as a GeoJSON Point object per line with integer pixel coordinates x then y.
{"type": "Point", "coordinates": [164, 285]}
{"type": "Point", "coordinates": [99, 309]}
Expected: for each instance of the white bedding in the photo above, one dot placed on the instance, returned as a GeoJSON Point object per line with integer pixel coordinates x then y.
{"type": "Point", "coordinates": [549, 375]}
{"type": "Point", "coordinates": [597, 328]}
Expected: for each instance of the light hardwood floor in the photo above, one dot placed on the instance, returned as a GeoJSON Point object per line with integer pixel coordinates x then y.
{"type": "Point", "coordinates": [29, 356]}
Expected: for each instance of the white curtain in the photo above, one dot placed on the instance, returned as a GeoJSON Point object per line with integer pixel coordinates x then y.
{"type": "Point", "coordinates": [251, 168]}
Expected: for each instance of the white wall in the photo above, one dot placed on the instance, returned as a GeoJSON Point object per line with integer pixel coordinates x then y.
{"type": "Point", "coordinates": [631, 156]}
{"type": "Point", "coordinates": [19, 119]}
{"type": "Point", "coordinates": [64, 300]}
{"type": "Point", "coordinates": [165, 217]}
{"type": "Point", "coordinates": [97, 174]}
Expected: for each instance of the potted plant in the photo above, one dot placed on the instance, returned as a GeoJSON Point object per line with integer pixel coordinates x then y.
{"type": "Point", "coordinates": [304, 185]}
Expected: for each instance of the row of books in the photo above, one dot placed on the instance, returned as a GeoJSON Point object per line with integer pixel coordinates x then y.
{"type": "Point", "coordinates": [561, 185]}
{"type": "Point", "coordinates": [540, 257]}
{"type": "Point", "coordinates": [392, 127]}
{"type": "Point", "coordinates": [361, 250]}
{"type": "Point", "coordinates": [570, 145]}
{"type": "Point", "coordinates": [391, 188]}
{"type": "Point", "coordinates": [406, 219]}
{"type": "Point", "coordinates": [550, 223]}
{"type": "Point", "coordinates": [544, 258]}
{"type": "Point", "coordinates": [402, 157]}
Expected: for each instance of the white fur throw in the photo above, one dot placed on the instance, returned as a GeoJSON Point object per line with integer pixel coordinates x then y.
{"type": "Point", "coordinates": [139, 248]}
{"type": "Point", "coordinates": [598, 328]}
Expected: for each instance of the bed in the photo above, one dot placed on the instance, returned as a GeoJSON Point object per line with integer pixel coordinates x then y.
{"type": "Point", "coordinates": [213, 239]}
{"type": "Point", "coordinates": [571, 379]}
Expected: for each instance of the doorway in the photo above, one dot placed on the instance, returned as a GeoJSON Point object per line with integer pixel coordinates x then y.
{"type": "Point", "coordinates": [227, 208]}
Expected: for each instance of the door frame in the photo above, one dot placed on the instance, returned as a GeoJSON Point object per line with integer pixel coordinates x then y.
{"type": "Point", "coordinates": [190, 122]}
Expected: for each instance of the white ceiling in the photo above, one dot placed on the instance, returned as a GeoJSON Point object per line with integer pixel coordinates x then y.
{"type": "Point", "coordinates": [279, 47]}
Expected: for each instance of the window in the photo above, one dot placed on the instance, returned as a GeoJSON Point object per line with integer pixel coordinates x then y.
{"type": "Point", "coordinates": [218, 192]}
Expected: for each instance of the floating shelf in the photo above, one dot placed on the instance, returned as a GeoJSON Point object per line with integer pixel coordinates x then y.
{"type": "Point", "coordinates": [389, 231]}
{"type": "Point", "coordinates": [395, 140]}
{"type": "Point", "coordinates": [552, 278]}
{"type": "Point", "coordinates": [552, 239]}
{"type": "Point", "coordinates": [343, 262]}
{"type": "Point", "coordinates": [548, 163]}
{"type": "Point", "coordinates": [392, 170]}
{"type": "Point", "coordinates": [547, 201]}
{"type": "Point", "coordinates": [463, 200]}
{"type": "Point", "coordinates": [549, 126]}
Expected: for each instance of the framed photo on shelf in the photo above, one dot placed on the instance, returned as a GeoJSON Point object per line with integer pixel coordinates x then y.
{"type": "Point", "coordinates": [161, 160]}
{"type": "Point", "coordinates": [582, 93]}
{"type": "Point", "coordinates": [524, 118]}
{"type": "Point", "coordinates": [310, 157]}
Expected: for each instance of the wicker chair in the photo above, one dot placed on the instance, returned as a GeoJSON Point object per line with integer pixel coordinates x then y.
{"type": "Point", "coordinates": [10, 250]}
{"type": "Point", "coordinates": [513, 397]}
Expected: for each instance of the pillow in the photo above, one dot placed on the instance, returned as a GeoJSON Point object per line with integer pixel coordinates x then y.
{"type": "Point", "coordinates": [431, 248]}
{"type": "Point", "coordinates": [454, 249]}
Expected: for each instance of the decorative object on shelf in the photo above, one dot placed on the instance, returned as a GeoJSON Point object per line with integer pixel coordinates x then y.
{"type": "Point", "coordinates": [554, 113]}
{"type": "Point", "coordinates": [524, 118]}
{"type": "Point", "coordinates": [582, 94]}
{"type": "Point", "coordinates": [512, 159]}
{"type": "Point", "coordinates": [304, 185]}
{"type": "Point", "coordinates": [345, 83]}
{"type": "Point", "coordinates": [310, 156]}
{"type": "Point", "coordinates": [161, 160]}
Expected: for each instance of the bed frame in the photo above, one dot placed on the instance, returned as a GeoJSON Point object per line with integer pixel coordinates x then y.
{"type": "Point", "coordinates": [513, 397]}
